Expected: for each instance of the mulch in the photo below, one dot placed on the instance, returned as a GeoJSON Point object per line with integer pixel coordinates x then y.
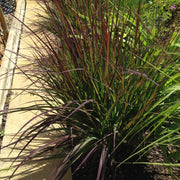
{"type": "Point", "coordinates": [128, 172]}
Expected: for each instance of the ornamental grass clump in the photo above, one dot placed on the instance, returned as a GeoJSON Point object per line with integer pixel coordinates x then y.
{"type": "Point", "coordinates": [107, 82]}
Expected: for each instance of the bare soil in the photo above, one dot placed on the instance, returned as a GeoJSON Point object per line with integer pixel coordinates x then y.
{"type": "Point", "coordinates": [128, 171]}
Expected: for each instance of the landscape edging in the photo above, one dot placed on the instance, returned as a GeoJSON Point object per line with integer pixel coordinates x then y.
{"type": "Point", "coordinates": [11, 52]}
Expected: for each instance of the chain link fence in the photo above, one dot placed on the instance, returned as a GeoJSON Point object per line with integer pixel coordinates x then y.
{"type": "Point", "coordinates": [8, 6]}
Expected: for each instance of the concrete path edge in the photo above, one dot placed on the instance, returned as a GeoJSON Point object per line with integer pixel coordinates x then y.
{"type": "Point", "coordinates": [11, 53]}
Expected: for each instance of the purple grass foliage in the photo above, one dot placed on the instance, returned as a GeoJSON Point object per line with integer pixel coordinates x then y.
{"type": "Point", "coordinates": [103, 77]}
{"type": "Point", "coordinates": [101, 162]}
{"type": "Point", "coordinates": [85, 159]}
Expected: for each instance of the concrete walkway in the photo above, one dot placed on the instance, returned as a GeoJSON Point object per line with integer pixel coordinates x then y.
{"type": "Point", "coordinates": [38, 170]}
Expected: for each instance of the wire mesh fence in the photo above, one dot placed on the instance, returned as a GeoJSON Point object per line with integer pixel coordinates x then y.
{"type": "Point", "coordinates": [8, 6]}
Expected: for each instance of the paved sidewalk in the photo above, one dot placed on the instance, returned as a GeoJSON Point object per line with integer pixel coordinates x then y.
{"type": "Point", "coordinates": [37, 170]}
